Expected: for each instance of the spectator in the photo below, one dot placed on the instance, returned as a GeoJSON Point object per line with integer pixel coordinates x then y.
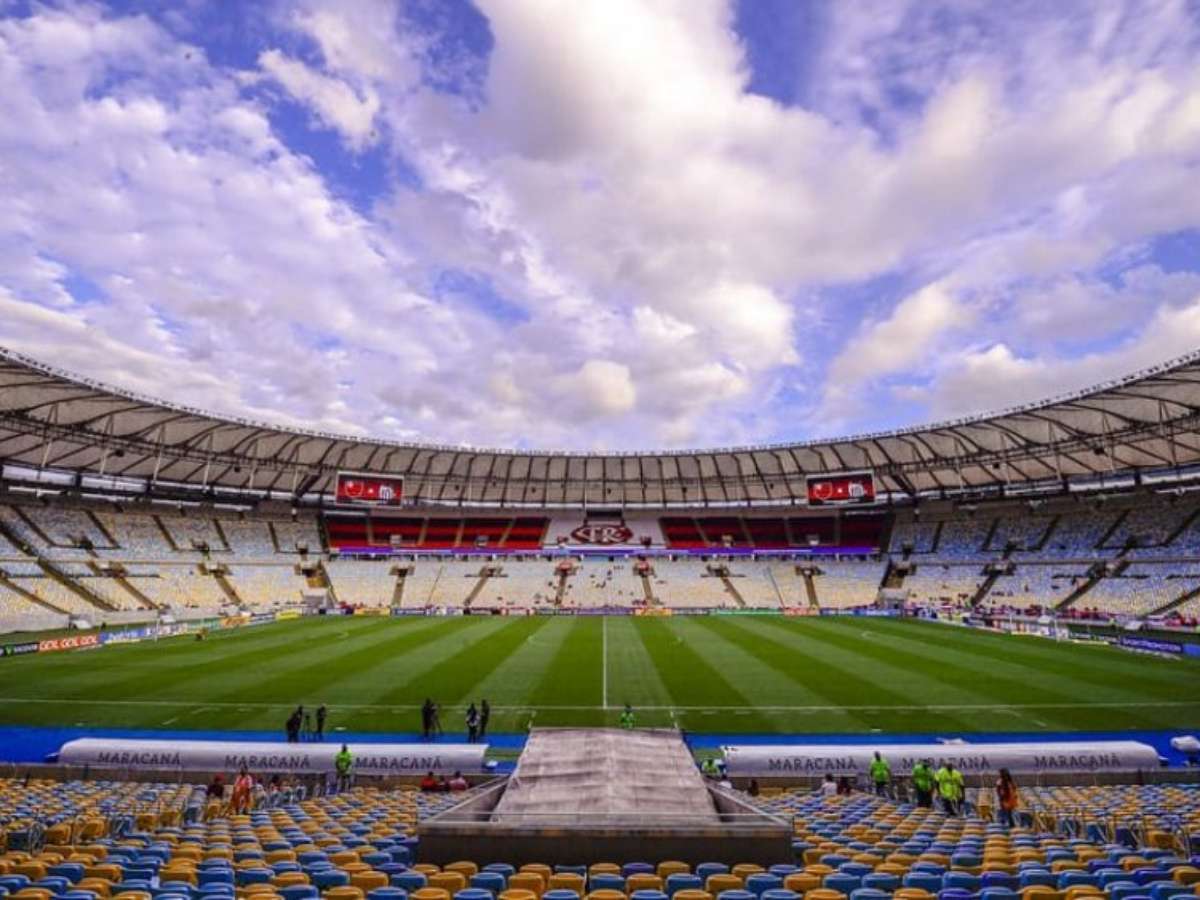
{"type": "Point", "coordinates": [844, 787]}
{"type": "Point", "coordinates": [344, 764]}
{"type": "Point", "coordinates": [322, 712]}
{"type": "Point", "coordinates": [429, 783]}
{"type": "Point", "coordinates": [922, 779]}
{"type": "Point", "coordinates": [1007, 797]}
{"type": "Point", "coordinates": [881, 774]}
{"type": "Point", "coordinates": [472, 724]}
{"type": "Point", "coordinates": [443, 786]}
{"type": "Point", "coordinates": [753, 790]}
{"type": "Point", "coordinates": [241, 792]}
{"type": "Point", "coordinates": [458, 783]}
{"type": "Point", "coordinates": [829, 787]}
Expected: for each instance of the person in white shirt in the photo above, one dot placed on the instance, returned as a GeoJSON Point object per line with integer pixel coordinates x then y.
{"type": "Point", "coordinates": [829, 787]}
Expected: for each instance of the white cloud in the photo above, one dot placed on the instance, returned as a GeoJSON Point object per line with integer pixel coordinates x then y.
{"type": "Point", "coordinates": [338, 104]}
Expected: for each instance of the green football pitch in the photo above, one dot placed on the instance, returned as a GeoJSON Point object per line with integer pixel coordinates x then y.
{"type": "Point", "coordinates": [707, 674]}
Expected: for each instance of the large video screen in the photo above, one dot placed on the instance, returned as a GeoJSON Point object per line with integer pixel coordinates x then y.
{"type": "Point", "coordinates": [373, 490]}
{"type": "Point", "coordinates": [851, 488]}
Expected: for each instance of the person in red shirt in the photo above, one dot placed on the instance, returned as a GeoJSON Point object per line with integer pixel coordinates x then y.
{"type": "Point", "coordinates": [429, 784]}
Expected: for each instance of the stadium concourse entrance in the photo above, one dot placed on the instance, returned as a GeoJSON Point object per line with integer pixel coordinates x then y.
{"type": "Point", "coordinates": [580, 793]}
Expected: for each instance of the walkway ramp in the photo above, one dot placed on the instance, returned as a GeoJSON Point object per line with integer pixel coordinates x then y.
{"type": "Point", "coordinates": [607, 774]}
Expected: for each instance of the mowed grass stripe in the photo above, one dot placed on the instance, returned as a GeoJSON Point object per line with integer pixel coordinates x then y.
{"type": "Point", "coordinates": [452, 676]}
{"type": "Point", "coordinates": [1107, 666]}
{"type": "Point", "coordinates": [572, 676]}
{"type": "Point", "coordinates": [333, 671]}
{"type": "Point", "coordinates": [692, 681]}
{"type": "Point", "coordinates": [1008, 676]}
{"type": "Point", "coordinates": [158, 670]}
{"type": "Point", "coordinates": [550, 667]}
{"type": "Point", "coordinates": [632, 675]}
{"type": "Point", "coordinates": [956, 682]}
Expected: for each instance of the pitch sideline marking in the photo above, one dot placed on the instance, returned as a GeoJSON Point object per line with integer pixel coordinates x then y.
{"type": "Point", "coordinates": [883, 707]}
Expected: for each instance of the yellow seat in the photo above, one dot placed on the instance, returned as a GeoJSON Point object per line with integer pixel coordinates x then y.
{"type": "Point", "coordinates": [368, 881]}
{"type": "Point", "coordinates": [34, 871]}
{"type": "Point", "coordinates": [32, 893]}
{"type": "Point", "coordinates": [289, 879]}
{"type": "Point", "coordinates": [133, 895]}
{"type": "Point", "coordinates": [692, 894]}
{"type": "Point", "coordinates": [426, 869]}
{"type": "Point", "coordinates": [604, 894]}
{"type": "Point", "coordinates": [343, 892]}
{"type": "Point", "coordinates": [1039, 892]}
{"type": "Point", "coordinates": [673, 867]}
{"type": "Point", "coordinates": [342, 857]}
{"type": "Point", "coordinates": [528, 881]}
{"type": "Point", "coordinates": [643, 882]}
{"type": "Point", "coordinates": [824, 894]}
{"type": "Point", "coordinates": [911, 893]}
{"type": "Point", "coordinates": [604, 868]}
{"type": "Point", "coordinates": [801, 882]}
{"type": "Point", "coordinates": [1081, 890]}
{"type": "Point", "coordinates": [1186, 874]}
{"type": "Point", "coordinates": [568, 881]}
{"type": "Point", "coordinates": [429, 893]}
{"type": "Point", "coordinates": [464, 866]}
{"type": "Point", "coordinates": [452, 882]}
{"type": "Point", "coordinates": [723, 881]}
{"type": "Point", "coordinates": [101, 887]}
{"type": "Point", "coordinates": [516, 894]}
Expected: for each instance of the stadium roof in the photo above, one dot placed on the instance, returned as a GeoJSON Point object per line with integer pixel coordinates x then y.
{"type": "Point", "coordinates": [52, 420]}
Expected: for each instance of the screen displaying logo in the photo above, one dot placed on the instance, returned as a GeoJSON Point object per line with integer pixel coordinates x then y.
{"type": "Point", "coordinates": [857, 487]}
{"type": "Point", "coordinates": [602, 533]}
{"type": "Point", "coordinates": [376, 490]}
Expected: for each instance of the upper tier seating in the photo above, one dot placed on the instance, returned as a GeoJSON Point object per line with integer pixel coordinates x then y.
{"type": "Point", "coordinates": [363, 583]}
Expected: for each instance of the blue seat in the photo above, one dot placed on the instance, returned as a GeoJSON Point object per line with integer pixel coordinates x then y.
{"type": "Point", "coordinates": [736, 895]}
{"type": "Point", "coordinates": [409, 881]}
{"type": "Point", "coordinates": [869, 894]}
{"type": "Point", "coordinates": [55, 884]}
{"type": "Point", "coordinates": [1119, 890]}
{"type": "Point", "coordinates": [68, 870]}
{"type": "Point", "coordinates": [759, 882]}
{"type": "Point", "coordinates": [1070, 879]}
{"type": "Point", "coordinates": [504, 869]}
{"type": "Point", "coordinates": [605, 881]}
{"type": "Point", "coordinates": [637, 868]}
{"type": "Point", "coordinates": [998, 880]}
{"type": "Point", "coordinates": [328, 878]}
{"type": "Point", "coordinates": [493, 882]}
{"type": "Point", "coordinates": [961, 880]}
{"type": "Point", "coordinates": [881, 881]}
{"type": "Point", "coordinates": [173, 889]}
{"type": "Point", "coordinates": [385, 893]}
{"type": "Point", "coordinates": [1164, 890]}
{"type": "Point", "coordinates": [1038, 877]}
{"type": "Point", "coordinates": [779, 894]}
{"type": "Point", "coordinates": [309, 892]}
{"type": "Point", "coordinates": [998, 893]}
{"type": "Point", "coordinates": [217, 876]}
{"type": "Point", "coordinates": [783, 870]}
{"type": "Point", "coordinates": [833, 859]}
{"type": "Point", "coordinates": [473, 893]}
{"type": "Point", "coordinates": [711, 868]}
{"type": "Point", "coordinates": [954, 894]}
{"type": "Point", "coordinates": [77, 894]}
{"type": "Point", "coordinates": [682, 881]}
{"type": "Point", "coordinates": [258, 876]}
{"type": "Point", "coordinates": [401, 854]}
{"type": "Point", "coordinates": [13, 883]}
{"type": "Point", "coordinates": [926, 881]}
{"type": "Point", "coordinates": [636, 895]}
{"type": "Point", "coordinates": [856, 869]}
{"type": "Point", "coordinates": [567, 894]}
{"type": "Point", "coordinates": [839, 881]}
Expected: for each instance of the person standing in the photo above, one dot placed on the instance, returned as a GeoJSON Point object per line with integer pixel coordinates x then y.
{"type": "Point", "coordinates": [922, 779]}
{"type": "Point", "coordinates": [485, 714]}
{"type": "Point", "coordinates": [322, 712]}
{"type": "Point", "coordinates": [436, 720]}
{"type": "Point", "coordinates": [1007, 797]}
{"type": "Point", "coordinates": [241, 792]}
{"type": "Point", "coordinates": [293, 726]}
{"type": "Point", "coordinates": [343, 764]}
{"type": "Point", "coordinates": [308, 727]}
{"type": "Point", "coordinates": [627, 718]}
{"type": "Point", "coordinates": [426, 718]}
{"type": "Point", "coordinates": [951, 788]}
{"type": "Point", "coordinates": [829, 787]}
{"type": "Point", "coordinates": [881, 774]}
{"type": "Point", "coordinates": [472, 724]}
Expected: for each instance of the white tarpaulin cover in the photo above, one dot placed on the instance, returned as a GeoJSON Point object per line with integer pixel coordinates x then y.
{"type": "Point", "coordinates": [229, 756]}
{"type": "Point", "coordinates": [849, 759]}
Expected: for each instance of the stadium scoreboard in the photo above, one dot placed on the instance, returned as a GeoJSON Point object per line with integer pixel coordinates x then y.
{"type": "Point", "coordinates": [848, 489]}
{"type": "Point", "coordinates": [366, 489]}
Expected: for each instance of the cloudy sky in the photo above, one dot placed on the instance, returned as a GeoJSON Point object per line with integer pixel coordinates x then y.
{"type": "Point", "coordinates": [600, 223]}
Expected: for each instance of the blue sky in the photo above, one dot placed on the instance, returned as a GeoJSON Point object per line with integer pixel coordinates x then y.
{"type": "Point", "coordinates": [616, 224]}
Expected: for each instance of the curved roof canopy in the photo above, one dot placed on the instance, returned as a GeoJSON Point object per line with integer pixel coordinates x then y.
{"type": "Point", "coordinates": [54, 420]}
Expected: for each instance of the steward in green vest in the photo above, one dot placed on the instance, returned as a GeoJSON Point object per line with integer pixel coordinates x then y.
{"type": "Point", "coordinates": [922, 779]}
{"type": "Point", "coordinates": [881, 774]}
{"type": "Point", "coordinates": [344, 764]}
{"type": "Point", "coordinates": [627, 717]}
